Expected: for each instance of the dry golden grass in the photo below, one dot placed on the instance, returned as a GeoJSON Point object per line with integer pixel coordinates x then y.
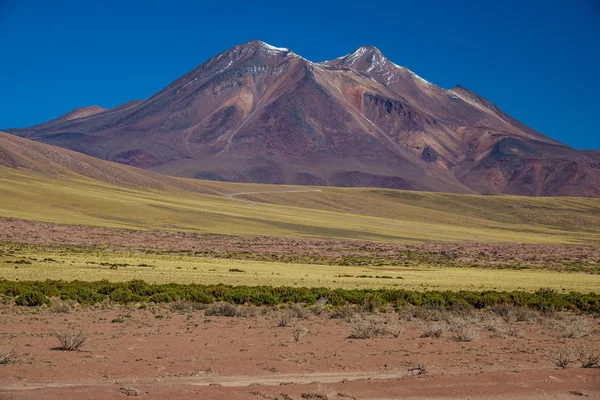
{"type": "Point", "coordinates": [87, 264]}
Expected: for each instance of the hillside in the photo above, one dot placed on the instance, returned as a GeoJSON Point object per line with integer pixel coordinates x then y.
{"type": "Point", "coordinates": [261, 114]}
{"type": "Point", "coordinates": [47, 183]}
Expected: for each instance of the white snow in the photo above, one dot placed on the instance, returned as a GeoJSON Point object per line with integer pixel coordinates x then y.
{"type": "Point", "coordinates": [273, 48]}
{"type": "Point", "coordinates": [223, 69]}
{"type": "Point", "coordinates": [426, 82]}
{"type": "Point", "coordinates": [352, 57]}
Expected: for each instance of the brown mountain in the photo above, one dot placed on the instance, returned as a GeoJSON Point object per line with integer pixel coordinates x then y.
{"type": "Point", "coordinates": [257, 113]}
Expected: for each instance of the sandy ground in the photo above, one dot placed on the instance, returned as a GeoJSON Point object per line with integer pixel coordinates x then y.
{"type": "Point", "coordinates": [187, 354]}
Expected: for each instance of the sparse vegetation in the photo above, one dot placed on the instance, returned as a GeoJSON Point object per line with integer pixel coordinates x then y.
{"type": "Point", "coordinates": [222, 310]}
{"type": "Point", "coordinates": [61, 307]}
{"type": "Point", "coordinates": [563, 358]}
{"type": "Point", "coordinates": [366, 329]}
{"type": "Point", "coordinates": [8, 354]}
{"type": "Point", "coordinates": [299, 333]}
{"type": "Point", "coordinates": [575, 328]}
{"type": "Point", "coordinates": [433, 330]}
{"type": "Point", "coordinates": [71, 340]}
{"type": "Point", "coordinates": [321, 392]}
{"type": "Point", "coordinates": [283, 319]}
{"type": "Point", "coordinates": [463, 333]}
{"type": "Point", "coordinates": [395, 330]}
{"type": "Point", "coordinates": [587, 358]}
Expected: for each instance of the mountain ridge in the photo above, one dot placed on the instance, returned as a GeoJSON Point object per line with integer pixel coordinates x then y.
{"type": "Point", "coordinates": [259, 113]}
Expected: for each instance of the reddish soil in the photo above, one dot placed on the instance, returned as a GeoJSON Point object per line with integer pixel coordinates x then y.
{"type": "Point", "coordinates": [34, 232]}
{"type": "Point", "coordinates": [190, 355]}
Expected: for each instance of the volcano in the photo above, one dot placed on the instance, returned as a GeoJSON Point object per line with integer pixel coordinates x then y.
{"type": "Point", "coordinates": [259, 113]}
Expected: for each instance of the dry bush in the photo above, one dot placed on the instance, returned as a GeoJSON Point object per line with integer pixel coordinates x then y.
{"type": "Point", "coordinates": [395, 330]}
{"type": "Point", "coordinates": [576, 328]}
{"type": "Point", "coordinates": [516, 314]}
{"type": "Point", "coordinates": [318, 310]}
{"type": "Point", "coordinates": [222, 310]}
{"type": "Point", "coordinates": [247, 311]}
{"type": "Point", "coordinates": [297, 311]}
{"type": "Point", "coordinates": [587, 358]}
{"type": "Point", "coordinates": [181, 306]}
{"type": "Point", "coordinates": [299, 333]}
{"type": "Point", "coordinates": [8, 355]}
{"type": "Point", "coordinates": [464, 311]}
{"type": "Point", "coordinates": [321, 392]}
{"type": "Point", "coordinates": [284, 318]}
{"type": "Point", "coordinates": [563, 357]}
{"type": "Point", "coordinates": [347, 313]}
{"type": "Point", "coordinates": [433, 330]}
{"type": "Point", "coordinates": [366, 329]}
{"type": "Point", "coordinates": [196, 306]}
{"type": "Point", "coordinates": [60, 307]}
{"type": "Point", "coordinates": [491, 325]}
{"type": "Point", "coordinates": [425, 313]}
{"type": "Point", "coordinates": [71, 341]}
{"type": "Point", "coordinates": [512, 330]}
{"type": "Point", "coordinates": [464, 333]}
{"type": "Point", "coordinates": [522, 314]}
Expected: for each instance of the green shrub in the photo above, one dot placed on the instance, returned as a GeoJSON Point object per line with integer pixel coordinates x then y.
{"type": "Point", "coordinates": [124, 296]}
{"type": "Point", "coordinates": [32, 299]}
{"type": "Point", "coordinates": [139, 291]}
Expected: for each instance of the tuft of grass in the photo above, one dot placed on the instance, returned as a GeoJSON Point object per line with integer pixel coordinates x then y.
{"type": "Point", "coordinates": [284, 318]}
{"type": "Point", "coordinates": [464, 333]}
{"type": "Point", "coordinates": [297, 311]}
{"type": "Point", "coordinates": [8, 355]}
{"type": "Point", "coordinates": [131, 392]}
{"type": "Point", "coordinates": [433, 330]}
{"type": "Point", "coordinates": [60, 307]}
{"type": "Point", "coordinates": [321, 392]}
{"type": "Point", "coordinates": [563, 358]}
{"type": "Point", "coordinates": [395, 330]}
{"type": "Point", "coordinates": [71, 340]}
{"type": "Point", "coordinates": [299, 333]}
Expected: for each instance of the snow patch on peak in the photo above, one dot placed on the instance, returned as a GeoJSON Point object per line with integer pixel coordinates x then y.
{"type": "Point", "coordinates": [377, 62]}
{"type": "Point", "coordinates": [352, 57]}
{"type": "Point", "coordinates": [417, 77]}
{"type": "Point", "coordinates": [273, 48]}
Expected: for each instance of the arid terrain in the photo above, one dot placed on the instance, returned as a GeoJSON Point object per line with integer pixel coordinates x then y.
{"type": "Point", "coordinates": [185, 349]}
{"type": "Point", "coordinates": [179, 351]}
{"type": "Point", "coordinates": [119, 282]}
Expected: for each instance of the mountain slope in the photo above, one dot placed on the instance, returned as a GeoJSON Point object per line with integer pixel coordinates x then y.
{"type": "Point", "coordinates": [47, 183]}
{"type": "Point", "coordinates": [257, 113]}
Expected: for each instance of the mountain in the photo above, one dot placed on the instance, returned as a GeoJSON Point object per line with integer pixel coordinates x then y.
{"type": "Point", "coordinates": [55, 163]}
{"type": "Point", "coordinates": [258, 113]}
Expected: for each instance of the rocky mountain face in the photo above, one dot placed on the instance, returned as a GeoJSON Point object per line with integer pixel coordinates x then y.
{"type": "Point", "coordinates": [257, 113]}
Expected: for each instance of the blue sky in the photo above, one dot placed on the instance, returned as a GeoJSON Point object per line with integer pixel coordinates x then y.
{"type": "Point", "coordinates": [537, 60]}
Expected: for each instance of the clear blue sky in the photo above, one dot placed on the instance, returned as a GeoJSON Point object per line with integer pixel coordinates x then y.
{"type": "Point", "coordinates": [537, 60]}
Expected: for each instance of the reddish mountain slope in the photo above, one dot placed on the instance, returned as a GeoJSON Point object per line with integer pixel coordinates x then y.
{"type": "Point", "coordinates": [257, 113]}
